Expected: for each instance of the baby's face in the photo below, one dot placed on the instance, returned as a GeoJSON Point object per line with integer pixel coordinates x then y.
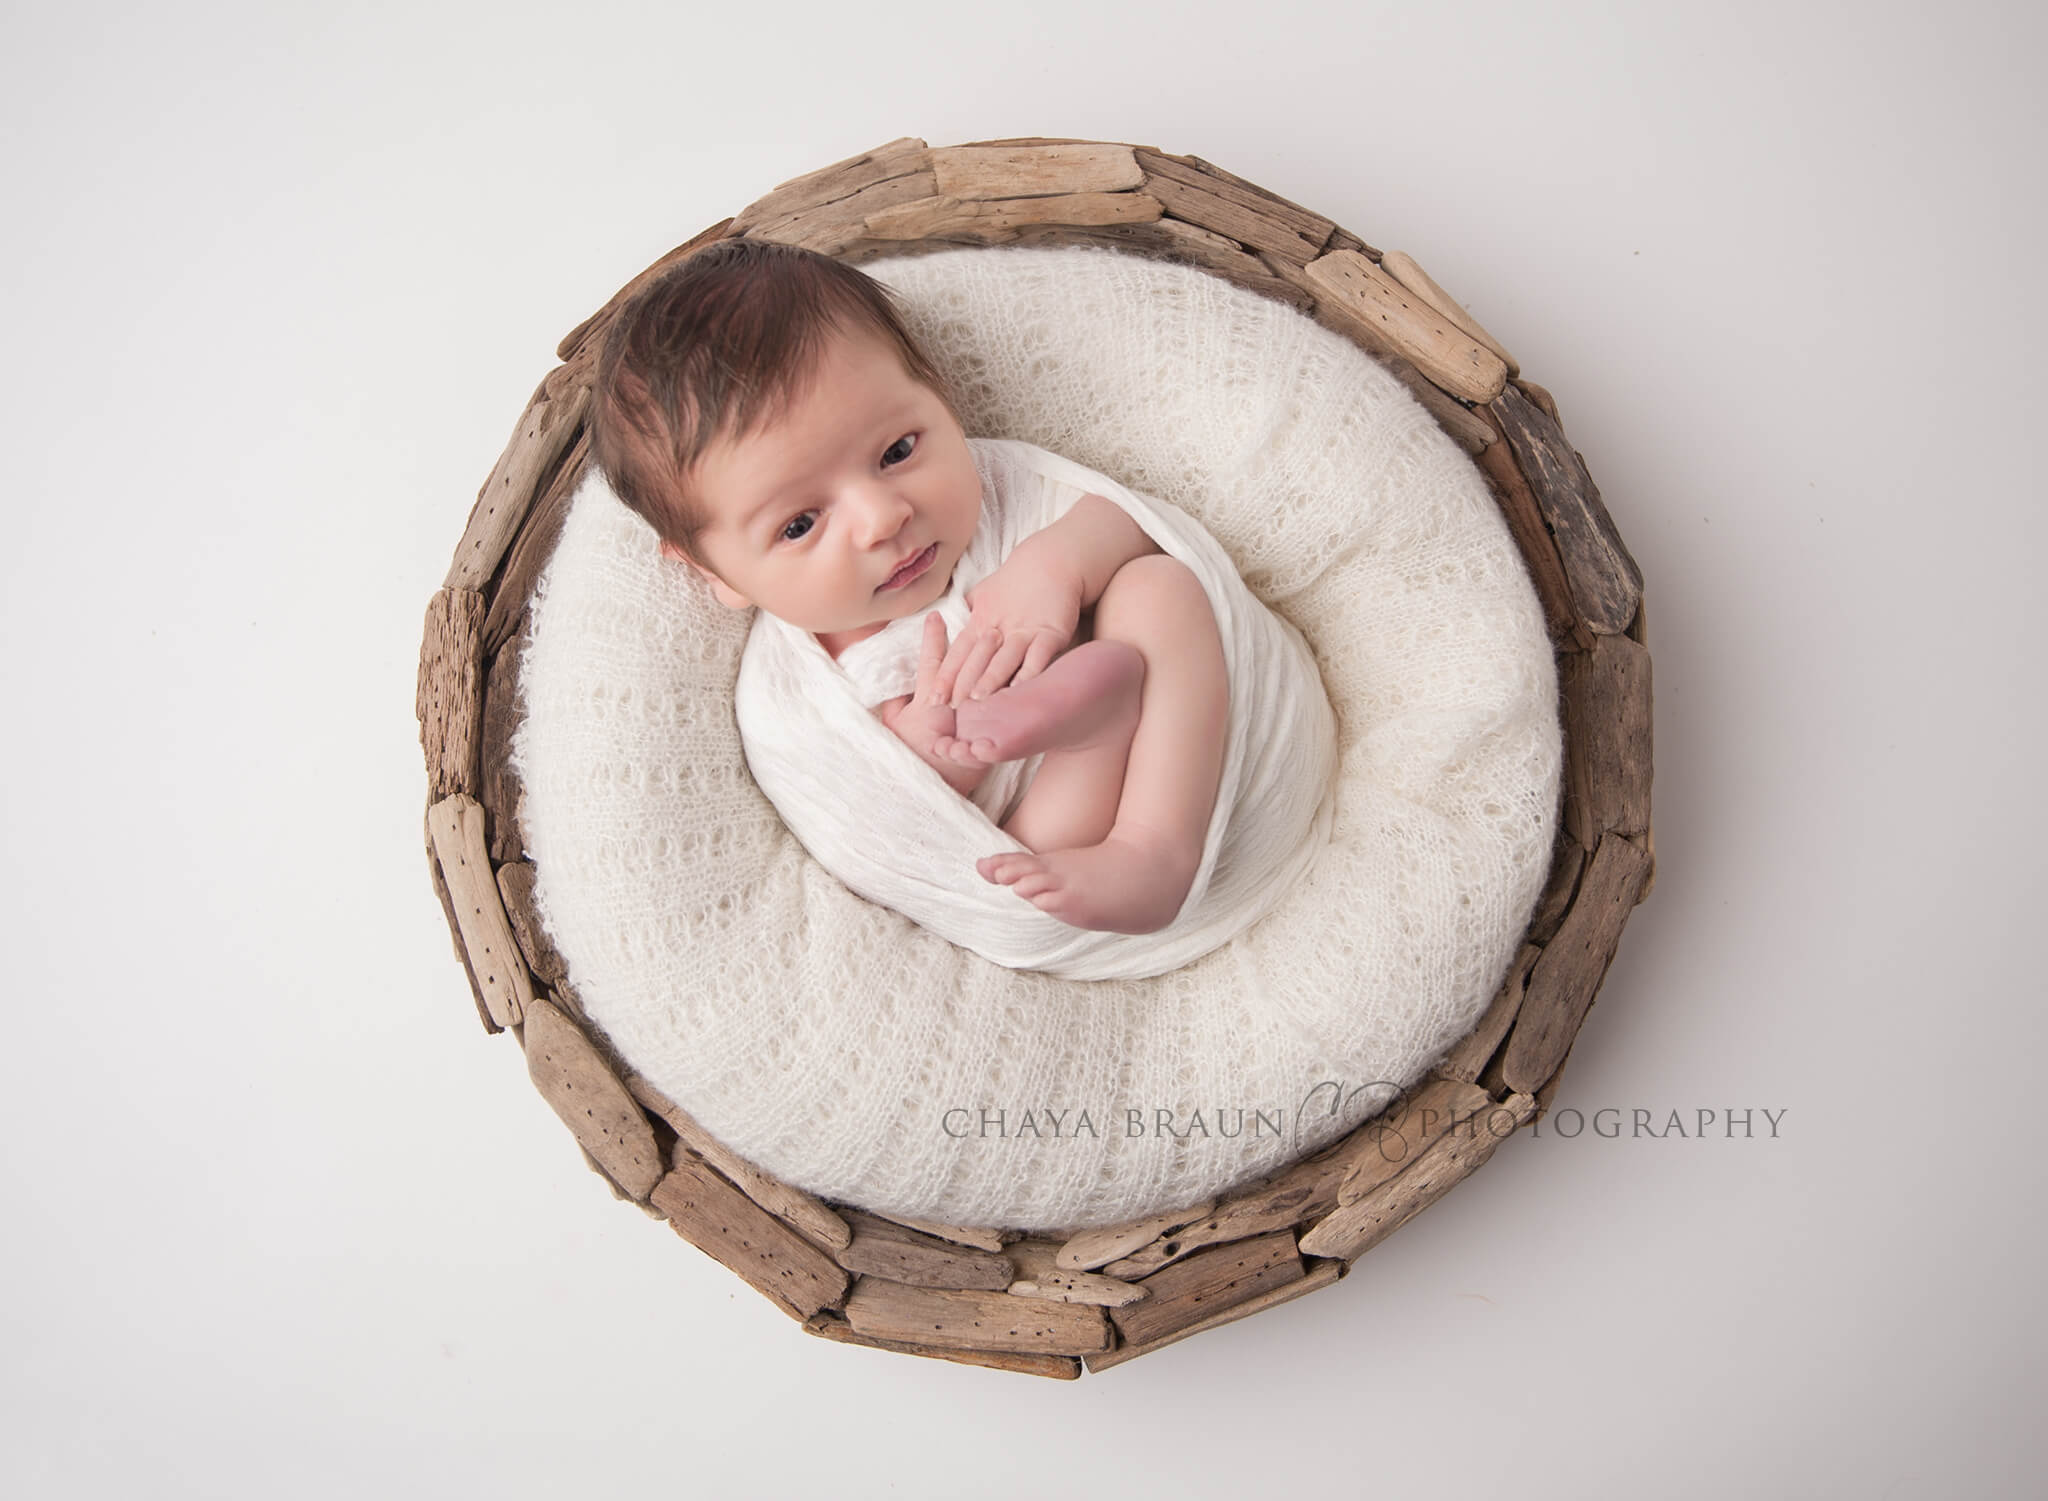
{"type": "Point", "coordinates": [848, 510]}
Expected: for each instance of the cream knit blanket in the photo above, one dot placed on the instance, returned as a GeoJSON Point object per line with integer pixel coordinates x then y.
{"type": "Point", "coordinates": [886, 824]}
{"type": "Point", "coordinates": [844, 1048]}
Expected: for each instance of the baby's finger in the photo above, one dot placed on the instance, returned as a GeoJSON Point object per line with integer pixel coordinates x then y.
{"type": "Point", "coordinates": [1001, 668]}
{"type": "Point", "coordinates": [931, 654]}
{"type": "Point", "coordinates": [976, 663]}
{"type": "Point", "coordinates": [1043, 649]}
{"type": "Point", "coordinates": [949, 670]}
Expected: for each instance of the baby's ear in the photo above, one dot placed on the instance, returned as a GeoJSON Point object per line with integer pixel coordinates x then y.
{"type": "Point", "coordinates": [728, 596]}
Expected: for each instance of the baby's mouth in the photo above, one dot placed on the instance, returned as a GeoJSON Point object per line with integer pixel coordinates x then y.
{"type": "Point", "coordinates": [910, 570]}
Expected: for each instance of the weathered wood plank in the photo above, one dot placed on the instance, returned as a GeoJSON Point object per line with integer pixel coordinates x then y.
{"type": "Point", "coordinates": [898, 158]}
{"type": "Point", "coordinates": [1206, 1283]}
{"type": "Point", "coordinates": [1565, 979]}
{"type": "Point", "coordinates": [1093, 1248]}
{"type": "Point", "coordinates": [731, 1228]}
{"type": "Point", "coordinates": [1350, 1230]}
{"type": "Point", "coordinates": [548, 425]}
{"type": "Point", "coordinates": [1464, 1061]}
{"type": "Point", "coordinates": [882, 1248]}
{"type": "Point", "coordinates": [1567, 863]}
{"type": "Point", "coordinates": [982, 1238]}
{"type": "Point", "coordinates": [1320, 1274]}
{"type": "Point", "coordinates": [1204, 194]}
{"type": "Point", "coordinates": [1526, 525]}
{"type": "Point", "coordinates": [1034, 171]}
{"type": "Point", "coordinates": [1401, 266]}
{"type": "Point", "coordinates": [974, 1320]}
{"type": "Point", "coordinates": [807, 1215]}
{"type": "Point", "coordinates": [1387, 311]}
{"type": "Point", "coordinates": [829, 227]}
{"type": "Point", "coordinates": [456, 825]}
{"type": "Point", "coordinates": [1057, 1367]}
{"type": "Point", "coordinates": [498, 785]}
{"type": "Point", "coordinates": [534, 546]}
{"type": "Point", "coordinates": [1605, 581]}
{"type": "Point", "coordinates": [448, 699]}
{"type": "Point", "coordinates": [957, 217]}
{"type": "Point", "coordinates": [1607, 735]}
{"type": "Point", "coordinates": [581, 1088]}
{"type": "Point", "coordinates": [1039, 1275]}
{"type": "Point", "coordinates": [1438, 1109]}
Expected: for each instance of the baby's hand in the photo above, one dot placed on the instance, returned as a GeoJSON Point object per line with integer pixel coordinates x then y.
{"type": "Point", "coordinates": [1020, 618]}
{"type": "Point", "coordinates": [925, 722]}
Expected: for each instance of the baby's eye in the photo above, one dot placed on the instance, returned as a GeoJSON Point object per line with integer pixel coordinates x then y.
{"type": "Point", "coordinates": [796, 527]}
{"type": "Point", "coordinates": [900, 450]}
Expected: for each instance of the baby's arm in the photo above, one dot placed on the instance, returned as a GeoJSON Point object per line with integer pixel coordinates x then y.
{"type": "Point", "coordinates": [1024, 614]}
{"type": "Point", "coordinates": [925, 722]}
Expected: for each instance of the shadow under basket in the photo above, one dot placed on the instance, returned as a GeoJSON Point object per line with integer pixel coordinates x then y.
{"type": "Point", "coordinates": [989, 1296]}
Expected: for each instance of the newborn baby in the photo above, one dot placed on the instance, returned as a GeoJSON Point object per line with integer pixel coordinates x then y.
{"type": "Point", "coordinates": [764, 409]}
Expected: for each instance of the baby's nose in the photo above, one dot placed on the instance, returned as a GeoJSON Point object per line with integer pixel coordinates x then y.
{"type": "Point", "coordinates": [883, 512]}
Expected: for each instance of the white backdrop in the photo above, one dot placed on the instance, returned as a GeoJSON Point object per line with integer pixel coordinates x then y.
{"type": "Point", "coordinates": [281, 1219]}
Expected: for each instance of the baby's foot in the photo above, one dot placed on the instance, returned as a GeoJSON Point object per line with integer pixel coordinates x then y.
{"type": "Point", "coordinates": [1088, 692]}
{"type": "Point", "coordinates": [1125, 884]}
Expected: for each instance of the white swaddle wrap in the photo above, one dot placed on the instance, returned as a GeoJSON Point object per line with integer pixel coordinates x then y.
{"type": "Point", "coordinates": [890, 828]}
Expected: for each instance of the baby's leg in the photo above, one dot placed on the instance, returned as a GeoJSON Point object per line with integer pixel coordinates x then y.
{"type": "Point", "coordinates": [1136, 877]}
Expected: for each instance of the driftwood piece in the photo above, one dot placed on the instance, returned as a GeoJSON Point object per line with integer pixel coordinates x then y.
{"type": "Point", "coordinates": [1532, 536]}
{"type": "Point", "coordinates": [731, 1228]}
{"type": "Point", "coordinates": [1605, 581]}
{"type": "Point", "coordinates": [1207, 1283]}
{"type": "Point", "coordinates": [926, 218]}
{"type": "Point", "coordinates": [582, 1089]}
{"type": "Point", "coordinates": [1401, 266]}
{"type": "Point", "coordinates": [809, 1216]}
{"type": "Point", "coordinates": [1567, 863]}
{"type": "Point", "coordinates": [1306, 1188]}
{"type": "Point", "coordinates": [882, 1248]}
{"type": "Point", "coordinates": [1033, 171]}
{"type": "Point", "coordinates": [1563, 983]}
{"type": "Point", "coordinates": [1201, 193]}
{"type": "Point", "coordinates": [1319, 1274]}
{"type": "Point", "coordinates": [974, 1320]}
{"type": "Point", "coordinates": [448, 700]}
{"type": "Point", "coordinates": [830, 227]}
{"type": "Point", "coordinates": [1350, 1230]}
{"type": "Point", "coordinates": [841, 180]}
{"type": "Point", "coordinates": [1057, 1367]}
{"type": "Point", "coordinates": [1607, 732]}
{"type": "Point", "coordinates": [498, 786]}
{"type": "Point", "coordinates": [456, 824]}
{"type": "Point", "coordinates": [1039, 1275]}
{"type": "Point", "coordinates": [515, 889]}
{"type": "Point", "coordinates": [1388, 312]}
{"type": "Point", "coordinates": [1465, 1061]}
{"type": "Point", "coordinates": [535, 545]}
{"type": "Point", "coordinates": [1094, 1248]}
{"type": "Point", "coordinates": [579, 344]}
{"type": "Point", "coordinates": [1436, 1110]}
{"type": "Point", "coordinates": [547, 426]}
{"type": "Point", "coordinates": [981, 1238]}
{"type": "Point", "coordinates": [1545, 402]}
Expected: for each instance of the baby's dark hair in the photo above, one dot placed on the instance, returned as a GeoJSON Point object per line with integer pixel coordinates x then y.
{"type": "Point", "coordinates": [714, 346]}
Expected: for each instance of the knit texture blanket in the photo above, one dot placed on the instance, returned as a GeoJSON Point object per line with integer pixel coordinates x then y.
{"type": "Point", "coordinates": [868, 810]}
{"type": "Point", "coordinates": [844, 1048]}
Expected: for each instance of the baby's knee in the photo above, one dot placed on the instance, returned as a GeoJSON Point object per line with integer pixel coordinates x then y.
{"type": "Point", "coordinates": [1153, 581]}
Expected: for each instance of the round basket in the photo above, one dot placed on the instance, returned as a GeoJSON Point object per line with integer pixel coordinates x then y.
{"type": "Point", "coordinates": [988, 1296]}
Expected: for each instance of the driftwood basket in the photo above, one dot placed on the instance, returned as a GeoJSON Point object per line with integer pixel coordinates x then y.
{"type": "Point", "coordinates": [989, 1296]}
